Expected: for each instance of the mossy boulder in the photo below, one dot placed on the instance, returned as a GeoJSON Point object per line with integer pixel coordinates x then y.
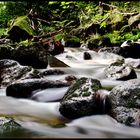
{"type": "Point", "coordinates": [127, 116]}
{"type": "Point", "coordinates": [20, 29]}
{"type": "Point", "coordinates": [117, 20]}
{"type": "Point", "coordinates": [84, 98]}
{"type": "Point", "coordinates": [97, 41]}
{"type": "Point", "coordinates": [71, 41]}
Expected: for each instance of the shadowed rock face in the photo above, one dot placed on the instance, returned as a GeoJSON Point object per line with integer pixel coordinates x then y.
{"type": "Point", "coordinates": [120, 71]}
{"type": "Point", "coordinates": [84, 98]}
{"type": "Point", "coordinates": [34, 55]}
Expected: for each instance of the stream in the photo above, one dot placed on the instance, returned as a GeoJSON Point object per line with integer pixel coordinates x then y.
{"type": "Point", "coordinates": [40, 117]}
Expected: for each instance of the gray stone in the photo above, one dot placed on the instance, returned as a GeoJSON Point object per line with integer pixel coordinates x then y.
{"type": "Point", "coordinates": [127, 116]}
{"type": "Point", "coordinates": [11, 71]}
{"type": "Point", "coordinates": [126, 94]}
{"type": "Point", "coordinates": [120, 71]}
{"type": "Point", "coordinates": [84, 98]}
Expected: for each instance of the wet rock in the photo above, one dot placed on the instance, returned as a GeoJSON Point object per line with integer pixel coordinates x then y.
{"type": "Point", "coordinates": [133, 21]}
{"type": "Point", "coordinates": [8, 126]}
{"type": "Point", "coordinates": [6, 51]}
{"type": "Point", "coordinates": [120, 71]}
{"type": "Point", "coordinates": [10, 71]}
{"type": "Point", "coordinates": [127, 116]}
{"type": "Point", "coordinates": [53, 72]}
{"type": "Point", "coordinates": [54, 62]}
{"type": "Point", "coordinates": [84, 98]}
{"type": "Point", "coordinates": [131, 50]}
{"type": "Point", "coordinates": [128, 49]}
{"type": "Point", "coordinates": [135, 63]}
{"type": "Point", "coordinates": [116, 50]}
{"type": "Point", "coordinates": [52, 46]}
{"type": "Point", "coordinates": [126, 94]}
{"type": "Point", "coordinates": [87, 56]}
{"type": "Point", "coordinates": [98, 42]}
{"type": "Point", "coordinates": [8, 123]}
{"type": "Point", "coordinates": [25, 88]}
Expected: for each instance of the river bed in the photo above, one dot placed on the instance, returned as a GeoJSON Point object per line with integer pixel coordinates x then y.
{"type": "Point", "coordinates": [41, 118]}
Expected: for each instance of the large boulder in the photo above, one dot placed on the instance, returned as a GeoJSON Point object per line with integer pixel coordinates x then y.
{"type": "Point", "coordinates": [126, 94]}
{"type": "Point", "coordinates": [127, 116]}
{"type": "Point", "coordinates": [125, 101]}
{"type": "Point", "coordinates": [11, 71]}
{"type": "Point", "coordinates": [20, 29]}
{"type": "Point", "coordinates": [84, 98]}
{"type": "Point", "coordinates": [131, 49]}
{"type": "Point", "coordinates": [33, 55]}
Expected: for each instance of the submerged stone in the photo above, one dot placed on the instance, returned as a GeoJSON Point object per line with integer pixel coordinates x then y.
{"type": "Point", "coordinates": [8, 125]}
{"type": "Point", "coordinates": [25, 88]}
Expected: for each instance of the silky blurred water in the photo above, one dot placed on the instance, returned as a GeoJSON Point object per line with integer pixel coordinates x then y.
{"type": "Point", "coordinates": [40, 118]}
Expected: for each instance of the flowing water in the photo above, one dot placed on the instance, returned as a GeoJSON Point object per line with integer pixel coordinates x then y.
{"type": "Point", "coordinates": [39, 116]}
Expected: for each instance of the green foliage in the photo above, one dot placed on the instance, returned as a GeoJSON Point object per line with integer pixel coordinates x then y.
{"type": "Point", "coordinates": [48, 29]}
{"type": "Point", "coordinates": [26, 43]}
{"type": "Point", "coordinates": [115, 37]}
{"type": "Point", "coordinates": [3, 31]}
{"type": "Point", "coordinates": [59, 37]}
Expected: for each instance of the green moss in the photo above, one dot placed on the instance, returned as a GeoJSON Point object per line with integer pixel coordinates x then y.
{"type": "Point", "coordinates": [26, 43]}
{"type": "Point", "coordinates": [86, 94]}
{"type": "Point", "coordinates": [23, 23]}
{"type": "Point", "coordinates": [3, 31]}
{"type": "Point", "coordinates": [58, 37]}
{"type": "Point", "coordinates": [72, 39]}
{"type": "Point", "coordinates": [74, 95]}
{"type": "Point", "coordinates": [131, 103]}
{"type": "Point", "coordinates": [116, 17]}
